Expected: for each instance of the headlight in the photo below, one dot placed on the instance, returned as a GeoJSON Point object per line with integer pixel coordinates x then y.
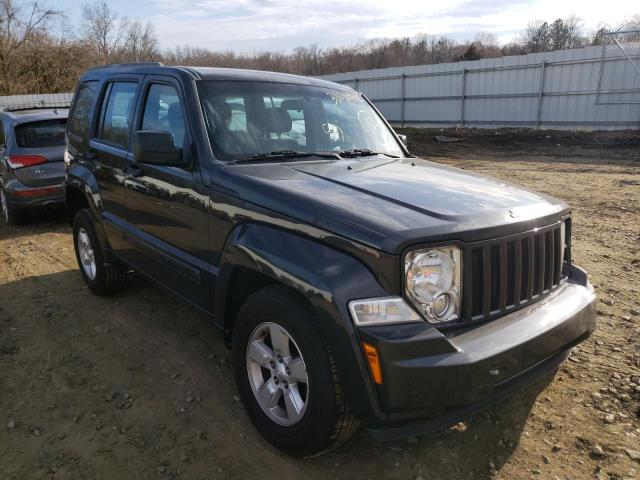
{"type": "Point", "coordinates": [432, 282]}
{"type": "Point", "coordinates": [380, 311]}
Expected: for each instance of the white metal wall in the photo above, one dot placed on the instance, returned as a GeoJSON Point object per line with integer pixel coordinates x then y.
{"type": "Point", "coordinates": [545, 90]}
{"type": "Point", "coordinates": [36, 100]}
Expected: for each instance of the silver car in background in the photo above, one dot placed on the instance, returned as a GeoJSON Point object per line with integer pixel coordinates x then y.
{"type": "Point", "coordinates": [32, 147]}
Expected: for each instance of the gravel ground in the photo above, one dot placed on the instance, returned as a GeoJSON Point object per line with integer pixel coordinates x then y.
{"type": "Point", "coordinates": [139, 385]}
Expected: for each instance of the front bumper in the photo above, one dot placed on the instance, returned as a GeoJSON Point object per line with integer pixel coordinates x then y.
{"type": "Point", "coordinates": [440, 378]}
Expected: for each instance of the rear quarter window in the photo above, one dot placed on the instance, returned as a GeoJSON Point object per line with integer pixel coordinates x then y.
{"type": "Point", "coordinates": [80, 115]}
{"type": "Point", "coordinates": [116, 113]}
{"type": "Point", "coordinates": [44, 133]}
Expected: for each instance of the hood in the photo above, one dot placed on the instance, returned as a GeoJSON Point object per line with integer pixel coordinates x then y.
{"type": "Point", "coordinates": [388, 203]}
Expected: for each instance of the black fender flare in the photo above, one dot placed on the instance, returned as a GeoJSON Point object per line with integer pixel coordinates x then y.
{"type": "Point", "coordinates": [80, 178]}
{"type": "Point", "coordinates": [328, 278]}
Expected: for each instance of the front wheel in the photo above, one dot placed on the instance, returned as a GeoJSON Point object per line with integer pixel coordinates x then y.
{"type": "Point", "coordinates": [286, 377]}
{"type": "Point", "coordinates": [101, 277]}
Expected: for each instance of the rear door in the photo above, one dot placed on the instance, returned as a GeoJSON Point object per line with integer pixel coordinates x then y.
{"type": "Point", "coordinates": [109, 148]}
{"type": "Point", "coordinates": [167, 206]}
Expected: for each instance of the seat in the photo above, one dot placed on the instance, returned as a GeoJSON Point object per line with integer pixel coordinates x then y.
{"type": "Point", "coordinates": [277, 120]}
{"type": "Point", "coordinates": [176, 124]}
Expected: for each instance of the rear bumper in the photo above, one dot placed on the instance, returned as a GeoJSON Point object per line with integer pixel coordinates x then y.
{"type": "Point", "coordinates": [21, 198]}
{"type": "Point", "coordinates": [433, 379]}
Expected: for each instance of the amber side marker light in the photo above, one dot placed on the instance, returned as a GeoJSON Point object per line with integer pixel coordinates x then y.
{"type": "Point", "coordinates": [374, 362]}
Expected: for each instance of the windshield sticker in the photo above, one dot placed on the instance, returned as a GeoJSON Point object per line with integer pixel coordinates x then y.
{"type": "Point", "coordinates": [339, 96]}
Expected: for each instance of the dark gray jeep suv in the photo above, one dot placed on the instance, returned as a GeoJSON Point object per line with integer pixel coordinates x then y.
{"type": "Point", "coordinates": [355, 283]}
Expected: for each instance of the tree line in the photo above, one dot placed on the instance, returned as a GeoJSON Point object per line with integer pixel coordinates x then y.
{"type": "Point", "coordinates": [41, 53]}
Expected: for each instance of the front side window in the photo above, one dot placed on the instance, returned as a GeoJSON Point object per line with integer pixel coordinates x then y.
{"type": "Point", "coordinates": [3, 140]}
{"type": "Point", "coordinates": [116, 113]}
{"type": "Point", "coordinates": [163, 112]}
{"type": "Point", "coordinates": [79, 118]}
{"type": "Point", "coordinates": [252, 118]}
{"type": "Point", "coordinates": [45, 133]}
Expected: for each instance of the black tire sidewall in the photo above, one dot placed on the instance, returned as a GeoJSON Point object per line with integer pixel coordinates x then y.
{"type": "Point", "coordinates": [313, 432]}
{"type": "Point", "coordinates": [13, 218]}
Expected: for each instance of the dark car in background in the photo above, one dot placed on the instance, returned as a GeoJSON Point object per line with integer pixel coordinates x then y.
{"type": "Point", "coordinates": [32, 147]}
{"type": "Point", "coordinates": [355, 283]}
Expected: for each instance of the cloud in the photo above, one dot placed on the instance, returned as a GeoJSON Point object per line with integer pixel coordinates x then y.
{"type": "Point", "coordinates": [259, 25]}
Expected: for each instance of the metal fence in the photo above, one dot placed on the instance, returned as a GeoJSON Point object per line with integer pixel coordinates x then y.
{"type": "Point", "coordinates": [585, 88]}
{"type": "Point", "coordinates": [618, 45]}
{"type": "Point", "coordinates": [36, 101]}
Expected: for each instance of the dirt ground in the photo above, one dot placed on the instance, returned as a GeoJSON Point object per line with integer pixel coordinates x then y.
{"type": "Point", "coordinates": [139, 385]}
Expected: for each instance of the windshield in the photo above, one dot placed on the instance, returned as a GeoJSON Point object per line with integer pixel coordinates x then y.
{"type": "Point", "coordinates": [44, 133]}
{"type": "Point", "coordinates": [246, 119]}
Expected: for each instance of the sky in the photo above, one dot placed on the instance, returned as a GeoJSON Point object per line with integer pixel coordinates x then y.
{"type": "Point", "coordinates": [260, 25]}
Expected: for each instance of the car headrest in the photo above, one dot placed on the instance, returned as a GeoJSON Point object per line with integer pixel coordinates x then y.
{"type": "Point", "coordinates": [292, 104]}
{"type": "Point", "coordinates": [277, 120]}
{"type": "Point", "coordinates": [174, 116]}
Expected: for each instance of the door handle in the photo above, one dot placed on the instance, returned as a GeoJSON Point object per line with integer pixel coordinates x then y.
{"type": "Point", "coordinates": [134, 171]}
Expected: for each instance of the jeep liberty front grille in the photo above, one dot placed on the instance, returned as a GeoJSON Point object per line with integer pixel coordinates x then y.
{"type": "Point", "coordinates": [505, 274]}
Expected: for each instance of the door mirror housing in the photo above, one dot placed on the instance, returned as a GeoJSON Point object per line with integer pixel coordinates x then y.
{"type": "Point", "coordinates": [156, 148]}
{"type": "Point", "coordinates": [403, 139]}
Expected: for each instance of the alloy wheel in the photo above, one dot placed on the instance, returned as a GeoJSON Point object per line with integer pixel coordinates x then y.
{"type": "Point", "coordinates": [85, 252]}
{"type": "Point", "coordinates": [277, 374]}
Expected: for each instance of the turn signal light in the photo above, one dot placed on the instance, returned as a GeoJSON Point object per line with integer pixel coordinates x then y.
{"type": "Point", "coordinates": [374, 362]}
{"type": "Point", "coordinates": [21, 161]}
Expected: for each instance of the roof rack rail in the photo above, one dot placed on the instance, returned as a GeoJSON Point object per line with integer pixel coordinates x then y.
{"type": "Point", "coordinates": [133, 64]}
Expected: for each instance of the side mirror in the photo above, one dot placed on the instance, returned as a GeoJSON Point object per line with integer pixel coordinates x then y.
{"type": "Point", "coordinates": [403, 139]}
{"type": "Point", "coordinates": [156, 148]}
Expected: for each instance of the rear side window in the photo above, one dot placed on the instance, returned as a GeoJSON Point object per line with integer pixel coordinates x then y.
{"type": "Point", "coordinates": [117, 109]}
{"type": "Point", "coordinates": [79, 118]}
{"type": "Point", "coordinates": [45, 133]}
{"type": "Point", "coordinates": [163, 113]}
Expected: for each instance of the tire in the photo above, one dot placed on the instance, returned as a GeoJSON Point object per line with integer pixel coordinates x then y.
{"type": "Point", "coordinates": [102, 277]}
{"type": "Point", "coordinates": [9, 216]}
{"type": "Point", "coordinates": [324, 422]}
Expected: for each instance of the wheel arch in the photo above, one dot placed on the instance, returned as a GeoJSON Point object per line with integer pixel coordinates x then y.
{"type": "Point", "coordinates": [323, 277]}
{"type": "Point", "coordinates": [80, 192]}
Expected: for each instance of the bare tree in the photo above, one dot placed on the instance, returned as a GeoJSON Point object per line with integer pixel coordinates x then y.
{"type": "Point", "coordinates": [19, 25]}
{"type": "Point", "coordinates": [487, 45]}
{"type": "Point", "coordinates": [140, 43]}
{"type": "Point", "coordinates": [103, 30]}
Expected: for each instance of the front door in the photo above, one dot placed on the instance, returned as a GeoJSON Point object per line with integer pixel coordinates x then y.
{"type": "Point", "coordinates": [167, 206]}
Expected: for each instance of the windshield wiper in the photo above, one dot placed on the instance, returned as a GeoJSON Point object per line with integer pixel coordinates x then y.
{"type": "Point", "coordinates": [285, 155]}
{"type": "Point", "coordinates": [362, 152]}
